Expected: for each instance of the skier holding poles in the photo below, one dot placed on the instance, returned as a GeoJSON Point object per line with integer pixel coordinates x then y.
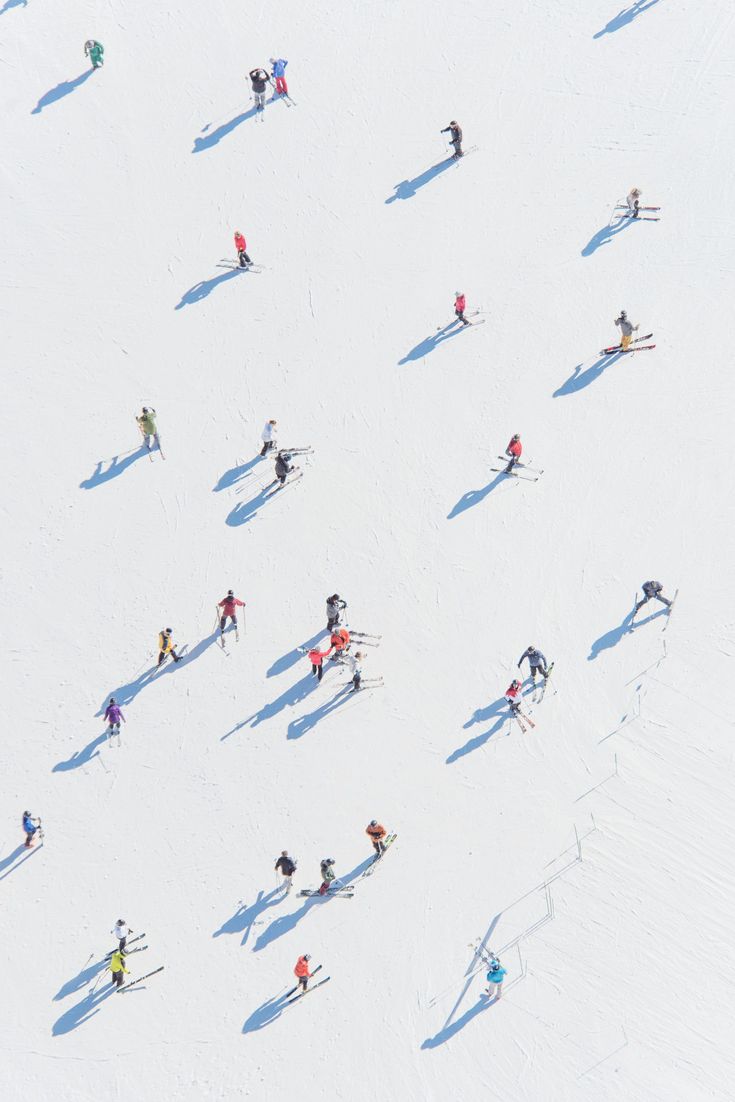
{"type": "Point", "coordinates": [229, 606]}
{"type": "Point", "coordinates": [114, 716]}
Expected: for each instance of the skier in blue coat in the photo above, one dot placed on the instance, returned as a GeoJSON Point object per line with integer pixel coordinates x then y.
{"type": "Point", "coordinates": [30, 825]}
{"type": "Point", "coordinates": [495, 978]}
{"type": "Point", "coordinates": [278, 67]}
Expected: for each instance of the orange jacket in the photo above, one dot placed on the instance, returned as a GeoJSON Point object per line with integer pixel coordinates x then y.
{"type": "Point", "coordinates": [340, 639]}
{"type": "Point", "coordinates": [302, 968]}
{"type": "Point", "coordinates": [376, 833]}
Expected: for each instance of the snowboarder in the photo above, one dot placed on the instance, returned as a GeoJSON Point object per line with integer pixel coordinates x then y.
{"type": "Point", "coordinates": [626, 330]}
{"type": "Point", "coordinates": [114, 716]}
{"type": "Point", "coordinates": [117, 967]}
{"type": "Point", "coordinates": [268, 436]}
{"type": "Point", "coordinates": [284, 467]}
{"type": "Point", "coordinates": [460, 304]}
{"type": "Point", "coordinates": [147, 425]}
{"type": "Point", "coordinates": [633, 201]}
{"type": "Point", "coordinates": [339, 642]}
{"type": "Point", "coordinates": [287, 867]}
{"type": "Point", "coordinates": [495, 978]}
{"type": "Point", "coordinates": [122, 931]}
{"type": "Point", "coordinates": [354, 664]}
{"type": "Point", "coordinates": [335, 604]}
{"type": "Point", "coordinates": [229, 606]}
{"type": "Point", "coordinates": [316, 657]}
{"type": "Point", "coordinates": [166, 646]}
{"type": "Point", "coordinates": [278, 71]}
{"type": "Point", "coordinates": [536, 661]}
{"type": "Point", "coordinates": [241, 247]}
{"type": "Point", "coordinates": [259, 79]}
{"type": "Point", "coordinates": [301, 971]}
{"type": "Point", "coordinates": [376, 833]}
{"type": "Point", "coordinates": [513, 696]}
{"type": "Point", "coordinates": [650, 590]}
{"type": "Point", "coordinates": [327, 871]}
{"type": "Point", "coordinates": [514, 450]}
{"type": "Point", "coordinates": [456, 139]}
{"type": "Point", "coordinates": [30, 826]}
{"type": "Point", "coordinates": [94, 51]}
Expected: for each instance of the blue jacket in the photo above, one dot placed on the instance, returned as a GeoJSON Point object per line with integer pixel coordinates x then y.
{"type": "Point", "coordinates": [28, 825]}
{"type": "Point", "coordinates": [279, 67]}
{"type": "Point", "coordinates": [497, 976]}
{"type": "Point", "coordinates": [535, 658]}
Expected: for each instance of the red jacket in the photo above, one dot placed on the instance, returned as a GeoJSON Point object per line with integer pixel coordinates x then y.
{"type": "Point", "coordinates": [340, 639]}
{"type": "Point", "coordinates": [240, 243]}
{"type": "Point", "coordinates": [316, 657]}
{"type": "Point", "coordinates": [513, 692]}
{"type": "Point", "coordinates": [515, 448]}
{"type": "Point", "coordinates": [229, 605]}
{"type": "Point", "coordinates": [302, 967]}
{"type": "Point", "coordinates": [459, 304]}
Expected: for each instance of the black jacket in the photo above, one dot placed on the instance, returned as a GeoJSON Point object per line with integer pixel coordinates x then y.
{"type": "Point", "coordinates": [286, 866]}
{"type": "Point", "coordinates": [259, 78]}
{"type": "Point", "coordinates": [456, 132]}
{"type": "Point", "coordinates": [283, 465]}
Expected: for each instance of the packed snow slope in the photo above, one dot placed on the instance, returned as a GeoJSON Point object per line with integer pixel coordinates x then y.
{"type": "Point", "coordinates": [121, 192]}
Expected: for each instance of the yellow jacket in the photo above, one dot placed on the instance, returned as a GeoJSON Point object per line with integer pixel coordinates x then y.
{"type": "Point", "coordinates": [165, 642]}
{"type": "Point", "coordinates": [117, 962]}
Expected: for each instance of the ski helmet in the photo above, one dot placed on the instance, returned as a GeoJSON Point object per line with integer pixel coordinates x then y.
{"type": "Point", "coordinates": [145, 409]}
{"type": "Point", "coordinates": [516, 436]}
{"type": "Point", "coordinates": [112, 700]}
{"type": "Point", "coordinates": [120, 922]}
{"type": "Point", "coordinates": [27, 813]}
{"type": "Point", "coordinates": [230, 593]}
{"type": "Point", "coordinates": [373, 822]}
{"type": "Point", "coordinates": [515, 683]}
{"type": "Point", "coordinates": [167, 631]}
{"type": "Point", "coordinates": [307, 956]}
{"type": "Point", "coordinates": [458, 293]}
{"type": "Point", "coordinates": [623, 314]}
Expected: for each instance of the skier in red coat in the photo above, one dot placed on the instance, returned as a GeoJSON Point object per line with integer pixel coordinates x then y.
{"type": "Point", "coordinates": [514, 450]}
{"type": "Point", "coordinates": [316, 657]}
{"type": "Point", "coordinates": [513, 695]}
{"type": "Point", "coordinates": [241, 246]}
{"type": "Point", "coordinates": [459, 308]}
{"type": "Point", "coordinates": [229, 606]}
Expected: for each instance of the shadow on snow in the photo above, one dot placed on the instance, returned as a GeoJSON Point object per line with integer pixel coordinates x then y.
{"type": "Point", "coordinates": [498, 711]}
{"type": "Point", "coordinates": [265, 1014]}
{"type": "Point", "coordinates": [450, 1031]}
{"type": "Point", "coordinates": [115, 466]}
{"type": "Point", "coordinates": [579, 379]}
{"type": "Point", "coordinates": [14, 860]}
{"type": "Point", "coordinates": [606, 234]}
{"type": "Point", "coordinates": [84, 977]}
{"type": "Point", "coordinates": [61, 90]}
{"type": "Point", "coordinates": [286, 661]}
{"type": "Point", "coordinates": [244, 917]}
{"type": "Point", "coordinates": [408, 188]}
{"type": "Point", "coordinates": [229, 478]}
{"type": "Point", "coordinates": [205, 287]}
{"type": "Point", "coordinates": [428, 344]}
{"type": "Point", "coordinates": [301, 726]}
{"type": "Point", "coordinates": [612, 638]}
{"type": "Point", "coordinates": [474, 497]}
{"type": "Point", "coordinates": [80, 1013]}
{"type": "Point", "coordinates": [627, 15]}
{"type": "Point", "coordinates": [216, 136]}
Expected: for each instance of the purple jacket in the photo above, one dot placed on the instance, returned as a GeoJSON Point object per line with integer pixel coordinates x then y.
{"type": "Point", "coordinates": [114, 714]}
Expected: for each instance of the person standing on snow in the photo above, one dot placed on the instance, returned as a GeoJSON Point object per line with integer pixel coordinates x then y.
{"type": "Point", "coordinates": [626, 330]}
{"type": "Point", "coordinates": [354, 665]}
{"type": "Point", "coordinates": [495, 978]}
{"type": "Point", "coordinates": [316, 657]}
{"type": "Point", "coordinates": [278, 71]}
{"type": "Point", "coordinates": [259, 79]}
{"type": "Point", "coordinates": [147, 425]}
{"type": "Point", "coordinates": [460, 304]}
{"type": "Point", "coordinates": [268, 436]}
{"type": "Point", "coordinates": [339, 642]}
{"type": "Point", "coordinates": [114, 716]}
{"type": "Point", "coordinates": [287, 867]}
{"type": "Point", "coordinates": [166, 646]}
{"type": "Point", "coordinates": [651, 590]}
{"type": "Point", "coordinates": [301, 971]}
{"type": "Point", "coordinates": [94, 51]}
{"type": "Point", "coordinates": [327, 870]}
{"type": "Point", "coordinates": [30, 826]}
{"type": "Point", "coordinates": [536, 661]}
{"type": "Point", "coordinates": [229, 606]}
{"type": "Point", "coordinates": [376, 833]}
{"type": "Point", "coordinates": [284, 467]}
{"type": "Point", "coordinates": [633, 201]}
{"type": "Point", "coordinates": [514, 450]}
{"type": "Point", "coordinates": [335, 605]}
{"type": "Point", "coordinates": [241, 247]}
{"type": "Point", "coordinates": [513, 696]}
{"type": "Point", "coordinates": [117, 967]}
{"type": "Point", "coordinates": [456, 139]}
{"type": "Point", "coordinates": [122, 932]}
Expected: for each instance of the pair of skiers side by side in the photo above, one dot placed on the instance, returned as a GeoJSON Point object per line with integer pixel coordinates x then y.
{"type": "Point", "coordinates": [260, 77]}
{"type": "Point", "coordinates": [94, 51]}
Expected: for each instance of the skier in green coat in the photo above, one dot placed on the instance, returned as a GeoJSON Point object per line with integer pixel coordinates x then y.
{"type": "Point", "coordinates": [94, 51]}
{"type": "Point", "coordinates": [147, 425]}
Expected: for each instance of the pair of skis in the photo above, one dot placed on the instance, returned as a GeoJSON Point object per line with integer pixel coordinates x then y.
{"type": "Point", "coordinates": [222, 630]}
{"type": "Point", "coordinates": [342, 891]}
{"type": "Point", "coordinates": [132, 940]}
{"type": "Point", "coordinates": [639, 217]}
{"type": "Point", "coordinates": [619, 347]}
{"type": "Point", "coordinates": [236, 266]}
{"type": "Point", "coordinates": [278, 486]}
{"type": "Point", "coordinates": [390, 839]}
{"type": "Point", "coordinates": [637, 608]}
{"type": "Point", "coordinates": [516, 474]}
{"type": "Point", "coordinates": [521, 719]}
{"type": "Point", "coordinates": [127, 986]}
{"type": "Point", "coordinates": [308, 990]}
{"type": "Point", "coordinates": [469, 314]}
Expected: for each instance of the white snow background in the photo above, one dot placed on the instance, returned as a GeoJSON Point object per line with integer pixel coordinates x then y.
{"type": "Point", "coordinates": [120, 194]}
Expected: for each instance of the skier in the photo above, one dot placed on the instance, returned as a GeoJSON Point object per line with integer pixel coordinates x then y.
{"type": "Point", "coordinates": [514, 450]}
{"type": "Point", "coordinates": [229, 606]}
{"type": "Point", "coordinates": [147, 425]}
{"type": "Point", "coordinates": [626, 330]}
{"type": "Point", "coordinates": [301, 971]}
{"type": "Point", "coordinates": [268, 436]}
{"type": "Point", "coordinates": [633, 200]}
{"type": "Point", "coordinates": [241, 247]}
{"type": "Point", "coordinates": [495, 978]}
{"type": "Point", "coordinates": [376, 833]}
{"type": "Point", "coordinates": [459, 307]}
{"type": "Point", "coordinates": [536, 661]}
{"type": "Point", "coordinates": [284, 467]}
{"type": "Point", "coordinates": [30, 825]}
{"type": "Point", "coordinates": [354, 664]}
{"type": "Point", "coordinates": [113, 715]}
{"type": "Point", "coordinates": [122, 931]}
{"type": "Point", "coordinates": [94, 51]}
{"type": "Point", "coordinates": [456, 139]}
{"type": "Point", "coordinates": [327, 871]}
{"type": "Point", "coordinates": [287, 867]}
{"type": "Point", "coordinates": [335, 604]}
{"type": "Point", "coordinates": [650, 590]}
{"type": "Point", "coordinates": [278, 71]}
{"type": "Point", "coordinates": [117, 967]}
{"type": "Point", "coordinates": [166, 646]}
{"type": "Point", "coordinates": [339, 642]}
{"type": "Point", "coordinates": [259, 79]}
{"type": "Point", "coordinates": [316, 657]}
{"type": "Point", "coordinates": [513, 696]}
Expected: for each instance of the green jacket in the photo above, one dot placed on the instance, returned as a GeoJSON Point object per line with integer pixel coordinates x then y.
{"type": "Point", "coordinates": [147, 422]}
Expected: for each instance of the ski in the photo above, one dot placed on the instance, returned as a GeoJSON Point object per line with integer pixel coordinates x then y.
{"type": "Point", "coordinates": [295, 989]}
{"type": "Point", "coordinates": [235, 267]}
{"type": "Point", "coordinates": [364, 642]}
{"type": "Point", "coordinates": [542, 687]}
{"type": "Point", "coordinates": [514, 474]}
{"type": "Point", "coordinates": [485, 955]}
{"type": "Point", "coordinates": [297, 451]}
{"type": "Point", "coordinates": [283, 485]}
{"type": "Point", "coordinates": [127, 986]}
{"type": "Point", "coordinates": [472, 149]}
{"type": "Point", "coordinates": [624, 206]}
{"type": "Point", "coordinates": [334, 893]}
{"type": "Point", "coordinates": [308, 991]}
{"type": "Point", "coordinates": [523, 466]}
{"type": "Point", "coordinates": [137, 937]}
{"type": "Point", "coordinates": [366, 634]}
{"type": "Point", "coordinates": [139, 949]}
{"type": "Point", "coordinates": [671, 609]}
{"type": "Point", "coordinates": [640, 348]}
{"type": "Point", "coordinates": [618, 348]}
{"type": "Point", "coordinates": [519, 721]}
{"type": "Point", "coordinates": [369, 683]}
{"type": "Point", "coordinates": [527, 719]}
{"type": "Point", "coordinates": [379, 856]}
{"type": "Point", "coordinates": [643, 217]}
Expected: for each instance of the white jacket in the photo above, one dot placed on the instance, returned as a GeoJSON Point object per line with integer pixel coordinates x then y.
{"type": "Point", "coordinates": [269, 433]}
{"type": "Point", "coordinates": [353, 664]}
{"type": "Point", "coordinates": [120, 931]}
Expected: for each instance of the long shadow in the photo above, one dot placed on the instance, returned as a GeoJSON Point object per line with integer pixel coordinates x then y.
{"type": "Point", "coordinates": [408, 188]}
{"type": "Point", "coordinates": [13, 4]}
{"type": "Point", "coordinates": [191, 655]}
{"type": "Point", "coordinates": [81, 757]}
{"type": "Point", "coordinates": [61, 90]}
{"type": "Point", "coordinates": [80, 1013]}
{"type": "Point", "coordinates": [84, 977]}
{"type": "Point", "coordinates": [450, 1030]}
{"type": "Point", "coordinates": [627, 15]}
{"type": "Point", "coordinates": [125, 694]}
{"type": "Point", "coordinates": [579, 379]}
{"type": "Point", "coordinates": [229, 478]}
{"type": "Point", "coordinates": [116, 466]}
{"type": "Point", "coordinates": [286, 661]}
{"type": "Point", "coordinates": [606, 234]}
{"type": "Point", "coordinates": [492, 711]}
{"type": "Point", "coordinates": [612, 638]}
{"type": "Point", "coordinates": [301, 726]}
{"type": "Point", "coordinates": [428, 344]}
{"type": "Point", "coordinates": [15, 855]}
{"type": "Point", "coordinates": [244, 917]}
{"type": "Point", "coordinates": [265, 1014]}
{"type": "Point", "coordinates": [205, 287]}
{"type": "Point", "coordinates": [246, 510]}
{"type": "Point", "coordinates": [474, 497]}
{"type": "Point", "coordinates": [216, 136]}
{"type": "Point", "coordinates": [292, 695]}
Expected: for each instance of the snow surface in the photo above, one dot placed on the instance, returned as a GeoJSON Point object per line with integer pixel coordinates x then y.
{"type": "Point", "coordinates": [121, 192]}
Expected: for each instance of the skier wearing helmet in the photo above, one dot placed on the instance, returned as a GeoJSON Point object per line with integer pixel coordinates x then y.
{"type": "Point", "coordinates": [456, 139]}
{"type": "Point", "coordinates": [626, 330]}
{"type": "Point", "coordinates": [229, 606]}
{"type": "Point", "coordinates": [241, 246]}
{"type": "Point", "coordinates": [460, 305]}
{"type": "Point", "coordinates": [514, 450]}
{"type": "Point", "coordinates": [376, 833]}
